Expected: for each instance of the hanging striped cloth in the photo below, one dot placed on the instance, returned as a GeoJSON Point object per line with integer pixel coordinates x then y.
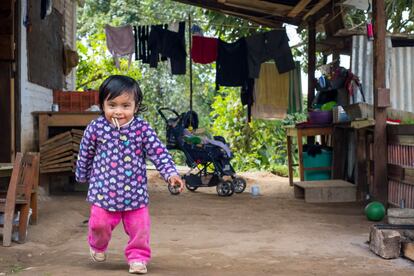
{"type": "Point", "coordinates": [295, 90]}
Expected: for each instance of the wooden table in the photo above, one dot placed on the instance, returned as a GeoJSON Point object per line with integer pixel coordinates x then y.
{"type": "Point", "coordinates": [299, 133]}
{"type": "Point", "coordinates": [49, 119]}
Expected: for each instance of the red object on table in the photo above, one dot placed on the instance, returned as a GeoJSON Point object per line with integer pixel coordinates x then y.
{"type": "Point", "coordinates": [75, 101]}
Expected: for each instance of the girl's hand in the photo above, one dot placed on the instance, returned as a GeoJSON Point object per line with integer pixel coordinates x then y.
{"type": "Point", "coordinates": [176, 180]}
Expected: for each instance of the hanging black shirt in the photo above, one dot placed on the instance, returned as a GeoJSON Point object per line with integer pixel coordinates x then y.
{"type": "Point", "coordinates": [173, 46]}
{"type": "Point", "coordinates": [169, 44]}
{"type": "Point", "coordinates": [269, 45]}
{"type": "Point", "coordinates": [231, 66]}
{"type": "Point", "coordinates": [155, 40]}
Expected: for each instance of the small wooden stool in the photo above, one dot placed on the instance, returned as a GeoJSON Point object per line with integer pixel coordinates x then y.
{"type": "Point", "coordinates": [322, 191]}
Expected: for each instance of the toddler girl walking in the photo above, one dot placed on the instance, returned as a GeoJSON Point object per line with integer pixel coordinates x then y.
{"type": "Point", "coordinates": [112, 160]}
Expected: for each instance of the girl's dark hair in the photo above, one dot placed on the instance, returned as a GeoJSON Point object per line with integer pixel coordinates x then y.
{"type": "Point", "coordinates": [116, 85]}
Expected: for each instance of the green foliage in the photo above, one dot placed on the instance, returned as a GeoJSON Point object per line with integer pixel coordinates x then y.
{"type": "Point", "coordinates": [408, 121]}
{"type": "Point", "coordinates": [160, 88]}
{"type": "Point", "coordinates": [260, 144]}
{"type": "Point", "coordinates": [16, 268]}
{"type": "Point", "coordinates": [230, 28]}
{"type": "Point", "coordinates": [281, 170]}
{"type": "Point", "coordinates": [400, 14]}
{"type": "Point", "coordinates": [96, 64]}
{"type": "Point", "coordinates": [257, 145]}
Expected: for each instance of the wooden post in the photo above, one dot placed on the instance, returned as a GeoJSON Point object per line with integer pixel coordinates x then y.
{"type": "Point", "coordinates": [190, 38]}
{"type": "Point", "coordinates": [311, 69]}
{"type": "Point", "coordinates": [311, 61]}
{"type": "Point", "coordinates": [361, 163]}
{"type": "Point", "coordinates": [340, 148]}
{"type": "Point", "coordinates": [380, 113]}
{"type": "Point", "coordinates": [290, 162]}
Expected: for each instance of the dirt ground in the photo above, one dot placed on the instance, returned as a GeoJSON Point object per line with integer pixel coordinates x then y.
{"type": "Point", "coordinates": [203, 234]}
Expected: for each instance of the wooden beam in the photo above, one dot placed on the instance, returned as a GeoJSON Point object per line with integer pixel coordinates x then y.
{"type": "Point", "coordinates": [261, 17]}
{"type": "Point", "coordinates": [264, 22]}
{"type": "Point", "coordinates": [380, 191]}
{"type": "Point", "coordinates": [263, 7]}
{"type": "Point", "coordinates": [298, 8]}
{"type": "Point", "coordinates": [324, 11]}
{"type": "Point", "coordinates": [273, 12]}
{"type": "Point", "coordinates": [316, 8]}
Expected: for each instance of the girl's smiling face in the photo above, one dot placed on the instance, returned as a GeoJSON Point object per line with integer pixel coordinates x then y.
{"type": "Point", "coordinates": [121, 108]}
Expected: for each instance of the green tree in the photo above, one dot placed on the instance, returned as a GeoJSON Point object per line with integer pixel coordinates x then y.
{"type": "Point", "coordinates": [159, 87]}
{"type": "Point", "coordinates": [259, 144]}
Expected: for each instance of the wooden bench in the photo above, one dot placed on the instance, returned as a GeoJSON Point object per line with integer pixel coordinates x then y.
{"type": "Point", "coordinates": [21, 196]}
{"type": "Point", "coordinates": [321, 191]}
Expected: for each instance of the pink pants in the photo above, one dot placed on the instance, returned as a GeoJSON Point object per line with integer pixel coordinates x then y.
{"type": "Point", "coordinates": [136, 225]}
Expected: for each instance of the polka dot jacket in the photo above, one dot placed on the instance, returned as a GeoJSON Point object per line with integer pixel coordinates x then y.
{"type": "Point", "coordinates": [113, 162]}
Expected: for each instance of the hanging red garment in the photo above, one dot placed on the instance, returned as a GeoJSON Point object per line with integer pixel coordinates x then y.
{"type": "Point", "coordinates": [204, 49]}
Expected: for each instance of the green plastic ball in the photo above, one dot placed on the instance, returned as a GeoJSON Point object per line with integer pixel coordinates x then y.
{"type": "Point", "coordinates": [375, 211]}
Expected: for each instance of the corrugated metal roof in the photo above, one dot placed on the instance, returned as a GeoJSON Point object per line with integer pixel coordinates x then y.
{"type": "Point", "coordinates": [399, 65]}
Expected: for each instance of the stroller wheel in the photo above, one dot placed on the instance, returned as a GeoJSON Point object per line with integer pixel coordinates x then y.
{"type": "Point", "coordinates": [231, 192]}
{"type": "Point", "coordinates": [239, 185]}
{"type": "Point", "coordinates": [174, 190]}
{"type": "Point", "coordinates": [190, 188]}
{"type": "Point", "coordinates": [225, 188]}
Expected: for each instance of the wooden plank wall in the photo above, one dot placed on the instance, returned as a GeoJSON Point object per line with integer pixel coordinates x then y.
{"type": "Point", "coordinates": [45, 48]}
{"type": "Point", "coordinates": [401, 165]}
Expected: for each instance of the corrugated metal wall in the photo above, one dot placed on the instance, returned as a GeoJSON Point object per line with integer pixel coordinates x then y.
{"type": "Point", "coordinates": [399, 71]}
{"type": "Point", "coordinates": [402, 81]}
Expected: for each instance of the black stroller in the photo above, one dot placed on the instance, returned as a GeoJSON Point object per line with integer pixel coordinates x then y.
{"type": "Point", "coordinates": [209, 163]}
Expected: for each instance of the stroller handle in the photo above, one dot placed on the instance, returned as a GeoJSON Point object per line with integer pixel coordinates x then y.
{"type": "Point", "coordinates": [163, 109]}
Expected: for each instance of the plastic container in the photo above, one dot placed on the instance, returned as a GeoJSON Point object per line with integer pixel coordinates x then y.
{"type": "Point", "coordinates": [15, 234]}
{"type": "Point", "coordinates": [320, 117]}
{"type": "Point", "coordinates": [255, 190]}
{"type": "Point", "coordinates": [320, 160]}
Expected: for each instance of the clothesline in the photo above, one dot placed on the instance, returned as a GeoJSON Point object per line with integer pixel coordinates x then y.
{"type": "Point", "coordinates": [236, 27]}
{"type": "Point", "coordinates": [238, 64]}
{"type": "Point", "coordinates": [222, 25]}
